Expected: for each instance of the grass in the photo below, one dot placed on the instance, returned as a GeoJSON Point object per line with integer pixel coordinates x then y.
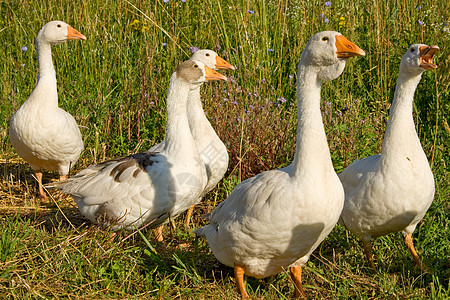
{"type": "Point", "coordinates": [114, 84]}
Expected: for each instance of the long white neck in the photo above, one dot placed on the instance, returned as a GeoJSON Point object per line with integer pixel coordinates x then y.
{"type": "Point", "coordinates": [311, 153]}
{"type": "Point", "coordinates": [201, 129]}
{"type": "Point", "coordinates": [401, 136]}
{"type": "Point", "coordinates": [46, 84]}
{"type": "Point", "coordinates": [178, 135]}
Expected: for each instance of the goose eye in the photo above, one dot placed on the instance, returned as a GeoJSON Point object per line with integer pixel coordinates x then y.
{"type": "Point", "coordinates": [196, 66]}
{"type": "Point", "coordinates": [207, 54]}
{"type": "Point", "coordinates": [412, 50]}
{"type": "Point", "coordinates": [59, 25]}
{"type": "Point", "coordinates": [325, 38]}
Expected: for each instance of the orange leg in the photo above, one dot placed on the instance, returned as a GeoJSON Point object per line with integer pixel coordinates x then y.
{"type": "Point", "coordinates": [42, 196]}
{"type": "Point", "coordinates": [239, 272]}
{"type": "Point", "coordinates": [296, 276]}
{"type": "Point", "coordinates": [158, 233]}
{"type": "Point", "coordinates": [368, 250]}
{"type": "Point", "coordinates": [409, 243]}
{"type": "Point", "coordinates": [187, 220]}
{"type": "Point", "coordinates": [172, 223]}
{"type": "Point", "coordinates": [62, 177]}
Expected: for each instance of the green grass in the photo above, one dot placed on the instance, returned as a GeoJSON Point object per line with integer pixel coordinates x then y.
{"type": "Point", "coordinates": [115, 83]}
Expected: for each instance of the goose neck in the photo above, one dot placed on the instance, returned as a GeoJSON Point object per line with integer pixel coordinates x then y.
{"type": "Point", "coordinates": [45, 89]}
{"type": "Point", "coordinates": [44, 55]}
{"type": "Point", "coordinates": [178, 134]}
{"type": "Point", "coordinates": [198, 122]}
{"type": "Point", "coordinates": [401, 131]}
{"type": "Point", "coordinates": [312, 153]}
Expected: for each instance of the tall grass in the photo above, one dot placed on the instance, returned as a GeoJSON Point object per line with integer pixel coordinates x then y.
{"type": "Point", "coordinates": [115, 83]}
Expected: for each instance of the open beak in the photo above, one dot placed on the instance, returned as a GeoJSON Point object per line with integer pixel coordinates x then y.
{"type": "Point", "coordinates": [426, 57]}
{"type": "Point", "coordinates": [346, 49]}
{"type": "Point", "coordinates": [223, 64]}
{"type": "Point", "coordinates": [213, 75]}
{"type": "Point", "coordinates": [74, 34]}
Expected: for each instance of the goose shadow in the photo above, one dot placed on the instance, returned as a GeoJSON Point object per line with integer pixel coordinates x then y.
{"type": "Point", "coordinates": [14, 175]}
{"type": "Point", "coordinates": [394, 225]}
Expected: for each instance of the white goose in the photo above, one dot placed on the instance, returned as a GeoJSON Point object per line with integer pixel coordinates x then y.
{"type": "Point", "coordinates": [149, 186]}
{"type": "Point", "coordinates": [391, 192]}
{"type": "Point", "coordinates": [43, 134]}
{"type": "Point", "coordinates": [212, 151]}
{"type": "Point", "coordinates": [276, 219]}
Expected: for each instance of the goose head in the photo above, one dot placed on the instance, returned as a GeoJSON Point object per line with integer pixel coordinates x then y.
{"type": "Point", "coordinates": [211, 59]}
{"type": "Point", "coordinates": [418, 58]}
{"type": "Point", "coordinates": [57, 32]}
{"type": "Point", "coordinates": [195, 73]}
{"type": "Point", "coordinates": [328, 52]}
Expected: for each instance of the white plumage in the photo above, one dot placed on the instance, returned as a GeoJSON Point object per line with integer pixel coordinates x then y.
{"type": "Point", "coordinates": [44, 135]}
{"type": "Point", "coordinates": [276, 219]}
{"type": "Point", "coordinates": [213, 152]}
{"type": "Point", "coordinates": [391, 192]}
{"type": "Point", "coordinates": [149, 186]}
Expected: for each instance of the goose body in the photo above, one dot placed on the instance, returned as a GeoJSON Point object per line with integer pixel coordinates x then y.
{"type": "Point", "coordinates": [391, 192]}
{"type": "Point", "coordinates": [213, 152]}
{"type": "Point", "coordinates": [276, 219]}
{"type": "Point", "coordinates": [44, 135]}
{"type": "Point", "coordinates": [150, 186]}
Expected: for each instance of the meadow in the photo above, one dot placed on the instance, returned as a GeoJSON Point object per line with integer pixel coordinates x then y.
{"type": "Point", "coordinates": [115, 84]}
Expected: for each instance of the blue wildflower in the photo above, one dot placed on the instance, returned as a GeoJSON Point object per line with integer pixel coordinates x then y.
{"type": "Point", "coordinates": [326, 20]}
{"type": "Point", "coordinates": [166, 1]}
{"type": "Point", "coordinates": [24, 49]}
{"type": "Point", "coordinates": [270, 50]}
{"type": "Point", "coordinates": [322, 15]}
{"type": "Point", "coordinates": [164, 44]}
{"type": "Point", "coordinates": [445, 24]}
{"type": "Point", "coordinates": [420, 22]}
{"type": "Point", "coordinates": [418, 7]}
{"type": "Point", "coordinates": [193, 49]}
{"type": "Point", "coordinates": [328, 3]}
{"type": "Point", "coordinates": [250, 12]}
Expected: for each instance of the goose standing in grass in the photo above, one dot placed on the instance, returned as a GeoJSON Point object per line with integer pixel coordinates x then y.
{"type": "Point", "coordinates": [44, 135]}
{"type": "Point", "coordinates": [391, 192]}
{"type": "Point", "coordinates": [276, 219]}
{"type": "Point", "coordinates": [212, 151]}
{"type": "Point", "coordinates": [149, 187]}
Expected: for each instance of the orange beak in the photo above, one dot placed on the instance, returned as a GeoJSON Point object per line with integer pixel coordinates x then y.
{"type": "Point", "coordinates": [213, 75]}
{"type": "Point", "coordinates": [223, 64]}
{"type": "Point", "coordinates": [426, 57]}
{"type": "Point", "coordinates": [74, 34]}
{"type": "Point", "coordinates": [346, 49]}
